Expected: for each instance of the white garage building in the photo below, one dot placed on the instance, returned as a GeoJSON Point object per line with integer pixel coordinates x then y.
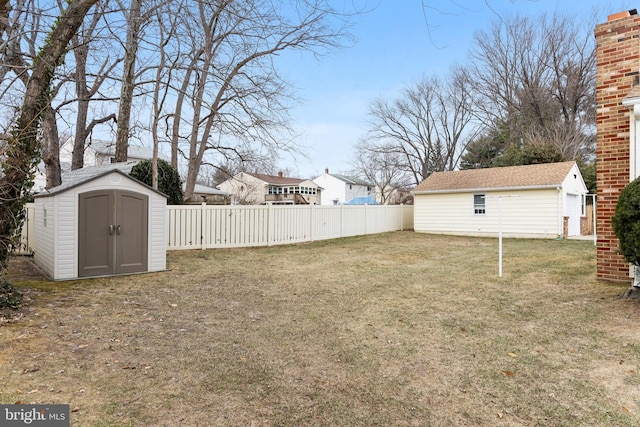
{"type": "Point", "coordinates": [531, 201]}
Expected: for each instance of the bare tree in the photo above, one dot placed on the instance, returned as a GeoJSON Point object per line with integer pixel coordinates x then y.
{"type": "Point", "coordinates": [428, 126]}
{"type": "Point", "coordinates": [383, 167]}
{"type": "Point", "coordinates": [24, 31]}
{"type": "Point", "coordinates": [229, 94]}
{"type": "Point", "coordinates": [87, 82]}
{"type": "Point", "coordinates": [166, 31]}
{"type": "Point", "coordinates": [21, 156]}
{"type": "Point", "coordinates": [133, 18]}
{"type": "Point", "coordinates": [537, 77]}
{"type": "Point", "coordinates": [27, 29]}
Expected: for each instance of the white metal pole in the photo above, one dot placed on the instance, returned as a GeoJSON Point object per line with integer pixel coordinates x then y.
{"type": "Point", "coordinates": [500, 236]}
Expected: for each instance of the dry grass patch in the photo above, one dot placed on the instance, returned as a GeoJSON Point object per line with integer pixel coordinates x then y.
{"type": "Point", "coordinates": [396, 329]}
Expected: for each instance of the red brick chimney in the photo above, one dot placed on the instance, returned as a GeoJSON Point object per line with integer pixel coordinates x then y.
{"type": "Point", "coordinates": [326, 170]}
{"type": "Point", "coordinates": [279, 174]}
{"type": "Point", "coordinates": [617, 70]}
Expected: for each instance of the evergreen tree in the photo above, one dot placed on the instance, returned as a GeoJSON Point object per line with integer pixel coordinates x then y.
{"type": "Point", "coordinates": [169, 182]}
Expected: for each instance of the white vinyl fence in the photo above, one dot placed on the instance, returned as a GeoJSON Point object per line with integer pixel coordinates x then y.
{"type": "Point", "coordinates": [194, 227]}
{"type": "Point", "coordinates": [205, 226]}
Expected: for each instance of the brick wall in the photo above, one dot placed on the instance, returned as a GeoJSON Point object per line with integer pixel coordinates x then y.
{"type": "Point", "coordinates": [618, 63]}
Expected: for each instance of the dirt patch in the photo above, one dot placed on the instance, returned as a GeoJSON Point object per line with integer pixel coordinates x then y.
{"type": "Point", "coordinates": [23, 269]}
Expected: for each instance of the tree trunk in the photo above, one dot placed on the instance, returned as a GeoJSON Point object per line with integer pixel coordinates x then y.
{"type": "Point", "coordinates": [22, 156]}
{"type": "Point", "coordinates": [5, 8]}
{"type": "Point", "coordinates": [51, 148]}
{"type": "Point", "coordinates": [128, 84]}
{"type": "Point", "coordinates": [77, 157]}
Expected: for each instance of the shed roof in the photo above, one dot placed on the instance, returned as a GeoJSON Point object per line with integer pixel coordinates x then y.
{"type": "Point", "coordinates": [80, 176]}
{"type": "Point", "coordinates": [527, 176]}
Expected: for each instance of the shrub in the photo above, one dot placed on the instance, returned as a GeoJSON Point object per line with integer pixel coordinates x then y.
{"type": "Point", "coordinates": [10, 296]}
{"type": "Point", "coordinates": [168, 179]}
{"type": "Point", "coordinates": [626, 222]}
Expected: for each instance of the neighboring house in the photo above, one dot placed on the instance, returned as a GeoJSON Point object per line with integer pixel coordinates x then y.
{"type": "Point", "coordinates": [209, 195]}
{"type": "Point", "coordinates": [256, 189]}
{"type": "Point", "coordinates": [618, 132]}
{"type": "Point", "coordinates": [395, 196]}
{"type": "Point", "coordinates": [97, 152]}
{"type": "Point", "coordinates": [337, 189]}
{"type": "Point", "coordinates": [545, 200]}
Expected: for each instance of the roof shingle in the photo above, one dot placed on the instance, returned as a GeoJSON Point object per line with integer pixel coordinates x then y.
{"type": "Point", "coordinates": [540, 175]}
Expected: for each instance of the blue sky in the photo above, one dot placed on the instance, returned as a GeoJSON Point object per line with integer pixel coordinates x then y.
{"type": "Point", "coordinates": [398, 42]}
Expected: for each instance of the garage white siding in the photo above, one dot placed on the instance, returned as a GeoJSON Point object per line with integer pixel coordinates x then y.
{"type": "Point", "coordinates": [532, 213]}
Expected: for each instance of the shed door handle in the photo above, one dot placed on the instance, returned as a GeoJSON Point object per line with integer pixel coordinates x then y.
{"type": "Point", "coordinates": [111, 230]}
{"type": "Point", "coordinates": [118, 229]}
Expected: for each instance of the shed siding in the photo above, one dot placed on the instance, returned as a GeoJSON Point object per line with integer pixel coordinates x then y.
{"type": "Point", "coordinates": [45, 235]}
{"type": "Point", "coordinates": [67, 237]}
{"type": "Point", "coordinates": [532, 213]}
{"type": "Point", "coordinates": [157, 238]}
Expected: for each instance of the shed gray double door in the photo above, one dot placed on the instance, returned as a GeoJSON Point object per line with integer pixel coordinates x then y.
{"type": "Point", "coordinates": [112, 232]}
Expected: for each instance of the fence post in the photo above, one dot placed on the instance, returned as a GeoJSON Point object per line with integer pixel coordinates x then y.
{"type": "Point", "coordinates": [366, 208]}
{"type": "Point", "coordinates": [401, 216]}
{"type": "Point", "coordinates": [311, 223]}
{"type": "Point", "coordinates": [202, 225]}
{"type": "Point", "coordinates": [269, 224]}
{"type": "Point", "coordinates": [167, 232]}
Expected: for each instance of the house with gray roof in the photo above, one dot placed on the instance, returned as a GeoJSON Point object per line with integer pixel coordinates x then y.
{"type": "Point", "coordinates": [338, 189]}
{"type": "Point", "coordinates": [544, 200]}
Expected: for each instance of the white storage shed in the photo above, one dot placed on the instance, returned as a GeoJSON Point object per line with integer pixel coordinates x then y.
{"type": "Point", "coordinates": [527, 201]}
{"type": "Point", "coordinates": [100, 222]}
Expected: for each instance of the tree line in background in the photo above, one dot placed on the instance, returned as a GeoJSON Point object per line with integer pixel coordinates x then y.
{"type": "Point", "coordinates": [525, 95]}
{"type": "Point", "coordinates": [199, 76]}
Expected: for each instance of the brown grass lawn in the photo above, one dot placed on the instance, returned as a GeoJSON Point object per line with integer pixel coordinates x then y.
{"type": "Point", "coordinates": [398, 329]}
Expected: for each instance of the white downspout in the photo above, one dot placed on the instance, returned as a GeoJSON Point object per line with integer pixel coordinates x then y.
{"type": "Point", "coordinates": [633, 142]}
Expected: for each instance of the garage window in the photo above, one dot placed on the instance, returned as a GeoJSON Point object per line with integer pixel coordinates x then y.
{"type": "Point", "coordinates": [479, 207]}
